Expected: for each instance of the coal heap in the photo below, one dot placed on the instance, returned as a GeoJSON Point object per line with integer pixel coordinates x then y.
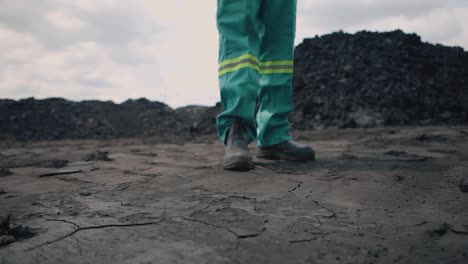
{"type": "Point", "coordinates": [57, 118]}
{"type": "Point", "coordinates": [372, 79]}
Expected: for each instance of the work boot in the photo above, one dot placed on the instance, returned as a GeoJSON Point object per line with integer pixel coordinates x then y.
{"type": "Point", "coordinates": [237, 156]}
{"type": "Point", "coordinates": [288, 150]}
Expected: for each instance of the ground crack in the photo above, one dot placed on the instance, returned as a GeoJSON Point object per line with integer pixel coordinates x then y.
{"type": "Point", "coordinates": [79, 229]}
{"type": "Point", "coordinates": [225, 228]}
{"type": "Point", "coordinates": [64, 221]}
{"type": "Point", "coordinates": [212, 203]}
{"type": "Point", "coordinates": [333, 214]}
{"type": "Point", "coordinates": [299, 185]}
{"type": "Point", "coordinates": [307, 239]}
{"type": "Point", "coordinates": [302, 240]}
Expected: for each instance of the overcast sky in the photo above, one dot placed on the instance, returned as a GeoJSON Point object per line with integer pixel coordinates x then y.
{"type": "Point", "coordinates": [166, 50]}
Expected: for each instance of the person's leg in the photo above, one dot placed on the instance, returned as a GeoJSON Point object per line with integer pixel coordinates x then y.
{"type": "Point", "coordinates": [275, 97]}
{"type": "Point", "coordinates": [276, 68]}
{"type": "Point", "coordinates": [238, 27]}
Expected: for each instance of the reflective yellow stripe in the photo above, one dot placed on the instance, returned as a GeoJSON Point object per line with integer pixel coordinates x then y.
{"type": "Point", "coordinates": [250, 61]}
{"type": "Point", "coordinates": [248, 65]}
{"type": "Point", "coordinates": [234, 60]}
{"type": "Point", "coordinates": [239, 66]}
{"type": "Point", "coordinates": [271, 63]}
{"type": "Point", "coordinates": [277, 71]}
{"type": "Point", "coordinates": [231, 65]}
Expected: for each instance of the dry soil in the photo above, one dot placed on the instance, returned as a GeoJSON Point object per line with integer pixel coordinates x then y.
{"type": "Point", "coordinates": [393, 195]}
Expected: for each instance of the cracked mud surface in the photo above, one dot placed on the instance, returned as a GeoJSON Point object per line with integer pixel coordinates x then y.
{"type": "Point", "coordinates": [373, 196]}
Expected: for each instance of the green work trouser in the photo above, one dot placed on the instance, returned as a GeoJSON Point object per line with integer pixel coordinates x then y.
{"type": "Point", "coordinates": [256, 47]}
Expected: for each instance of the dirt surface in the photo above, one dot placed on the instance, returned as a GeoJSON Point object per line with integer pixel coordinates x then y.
{"type": "Point", "coordinates": [393, 195]}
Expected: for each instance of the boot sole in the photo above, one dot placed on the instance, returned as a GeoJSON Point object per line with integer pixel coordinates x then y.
{"type": "Point", "coordinates": [279, 155]}
{"type": "Point", "coordinates": [239, 163]}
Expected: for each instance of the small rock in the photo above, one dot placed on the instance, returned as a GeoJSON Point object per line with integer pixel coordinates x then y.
{"type": "Point", "coordinates": [422, 137]}
{"type": "Point", "coordinates": [7, 239]}
{"type": "Point", "coordinates": [4, 222]}
{"type": "Point", "coordinates": [10, 233]}
{"type": "Point", "coordinates": [20, 231]}
{"type": "Point", "coordinates": [404, 154]}
{"type": "Point", "coordinates": [54, 163]}
{"type": "Point", "coordinates": [347, 156]}
{"type": "Point", "coordinates": [5, 172]}
{"type": "Point", "coordinates": [396, 153]}
{"type": "Point", "coordinates": [374, 253]}
{"type": "Point", "coordinates": [463, 185]}
{"type": "Point", "coordinates": [98, 155]}
{"type": "Point", "coordinates": [399, 178]}
{"type": "Point", "coordinates": [439, 231]}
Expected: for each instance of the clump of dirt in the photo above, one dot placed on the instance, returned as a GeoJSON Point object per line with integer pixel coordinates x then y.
{"type": "Point", "coordinates": [404, 154]}
{"type": "Point", "coordinates": [439, 231]}
{"type": "Point", "coordinates": [11, 233]}
{"type": "Point", "coordinates": [443, 229]}
{"type": "Point", "coordinates": [53, 163]}
{"type": "Point", "coordinates": [98, 155]}
{"type": "Point", "coordinates": [463, 185]}
{"type": "Point", "coordinates": [5, 172]}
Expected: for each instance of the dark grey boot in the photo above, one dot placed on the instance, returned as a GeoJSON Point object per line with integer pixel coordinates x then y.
{"type": "Point", "coordinates": [237, 156]}
{"type": "Point", "coordinates": [289, 150]}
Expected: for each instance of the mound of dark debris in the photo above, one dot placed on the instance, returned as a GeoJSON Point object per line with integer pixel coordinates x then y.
{"type": "Point", "coordinates": [341, 80]}
{"type": "Point", "coordinates": [372, 79]}
{"type": "Point", "coordinates": [57, 118]}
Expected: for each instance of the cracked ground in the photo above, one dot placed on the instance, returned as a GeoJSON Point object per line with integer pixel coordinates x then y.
{"type": "Point", "coordinates": [393, 195]}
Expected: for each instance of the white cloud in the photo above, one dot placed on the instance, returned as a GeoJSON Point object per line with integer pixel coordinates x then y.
{"type": "Point", "coordinates": [63, 20]}
{"type": "Point", "coordinates": [441, 21]}
{"type": "Point", "coordinates": [441, 26]}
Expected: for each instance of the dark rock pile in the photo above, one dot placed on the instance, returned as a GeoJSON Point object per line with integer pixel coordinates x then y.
{"type": "Point", "coordinates": [201, 119]}
{"type": "Point", "coordinates": [56, 118]}
{"type": "Point", "coordinates": [371, 79]}
{"type": "Point", "coordinates": [342, 80]}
